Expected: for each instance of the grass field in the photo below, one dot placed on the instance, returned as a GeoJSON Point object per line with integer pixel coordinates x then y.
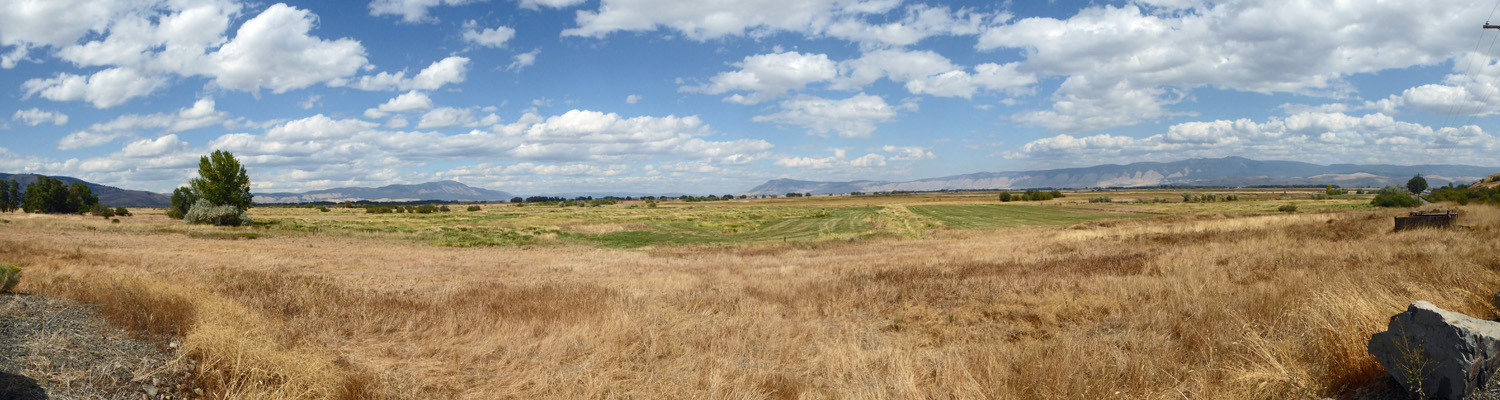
{"type": "Point", "coordinates": [994, 216]}
{"type": "Point", "coordinates": [880, 297]}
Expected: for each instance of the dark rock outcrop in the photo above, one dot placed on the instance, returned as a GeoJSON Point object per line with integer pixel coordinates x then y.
{"type": "Point", "coordinates": [1438, 354]}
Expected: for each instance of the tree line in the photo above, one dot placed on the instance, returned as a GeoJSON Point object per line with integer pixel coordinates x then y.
{"type": "Point", "coordinates": [47, 195]}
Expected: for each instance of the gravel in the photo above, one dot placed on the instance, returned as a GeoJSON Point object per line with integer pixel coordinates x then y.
{"type": "Point", "coordinates": [60, 349]}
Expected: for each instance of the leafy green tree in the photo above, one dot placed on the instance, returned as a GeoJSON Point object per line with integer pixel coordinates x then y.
{"type": "Point", "coordinates": [222, 181]}
{"type": "Point", "coordinates": [80, 198]}
{"type": "Point", "coordinates": [1417, 184]}
{"type": "Point", "coordinates": [47, 195]}
{"type": "Point", "coordinates": [5, 196]}
{"type": "Point", "coordinates": [182, 200]}
{"type": "Point", "coordinates": [517, 199]}
{"type": "Point", "coordinates": [15, 195]}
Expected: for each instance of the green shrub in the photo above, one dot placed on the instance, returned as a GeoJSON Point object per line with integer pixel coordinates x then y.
{"type": "Point", "coordinates": [1287, 208]}
{"type": "Point", "coordinates": [474, 208]}
{"type": "Point", "coordinates": [1394, 200]}
{"type": "Point", "coordinates": [322, 209]}
{"type": "Point", "coordinates": [444, 209]}
{"type": "Point", "coordinates": [121, 211]}
{"type": "Point", "coordinates": [102, 211]}
{"type": "Point", "coordinates": [114, 221]}
{"type": "Point", "coordinates": [1100, 199]}
{"type": "Point", "coordinates": [10, 275]}
{"type": "Point", "coordinates": [204, 212]}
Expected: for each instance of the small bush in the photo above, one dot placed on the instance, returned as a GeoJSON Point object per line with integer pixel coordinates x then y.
{"type": "Point", "coordinates": [1394, 200]}
{"type": "Point", "coordinates": [444, 209]}
{"type": "Point", "coordinates": [322, 209]}
{"type": "Point", "coordinates": [114, 221]}
{"type": "Point", "coordinates": [1287, 208]}
{"type": "Point", "coordinates": [121, 211]}
{"type": "Point", "coordinates": [204, 212]}
{"type": "Point", "coordinates": [1101, 199]}
{"type": "Point", "coordinates": [474, 208]}
{"type": "Point", "coordinates": [10, 275]}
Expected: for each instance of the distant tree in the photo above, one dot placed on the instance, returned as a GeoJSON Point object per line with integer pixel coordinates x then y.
{"type": "Point", "coordinates": [47, 195]}
{"type": "Point", "coordinates": [1417, 184]}
{"type": "Point", "coordinates": [14, 194]}
{"type": "Point", "coordinates": [182, 200]}
{"type": "Point", "coordinates": [121, 211]}
{"type": "Point", "coordinates": [80, 198]}
{"type": "Point", "coordinates": [5, 196]}
{"type": "Point", "coordinates": [517, 199]}
{"type": "Point", "coordinates": [222, 181]}
{"type": "Point", "coordinates": [5, 200]}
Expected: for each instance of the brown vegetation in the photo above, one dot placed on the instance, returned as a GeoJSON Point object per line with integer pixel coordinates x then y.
{"type": "Point", "coordinates": [1493, 181]}
{"type": "Point", "coordinates": [1271, 306]}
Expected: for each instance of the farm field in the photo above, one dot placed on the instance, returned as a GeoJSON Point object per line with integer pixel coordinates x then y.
{"type": "Point", "coordinates": [904, 296]}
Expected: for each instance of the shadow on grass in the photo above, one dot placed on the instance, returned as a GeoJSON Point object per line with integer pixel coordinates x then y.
{"type": "Point", "coordinates": [17, 387]}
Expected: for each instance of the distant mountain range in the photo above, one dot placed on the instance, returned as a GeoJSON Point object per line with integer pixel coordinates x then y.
{"type": "Point", "coordinates": [1229, 171]}
{"type": "Point", "coordinates": [108, 195]}
{"type": "Point", "coordinates": [444, 190]}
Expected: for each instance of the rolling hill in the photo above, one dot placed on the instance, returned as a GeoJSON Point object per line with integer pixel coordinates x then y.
{"type": "Point", "coordinates": [1229, 171]}
{"type": "Point", "coordinates": [108, 195]}
{"type": "Point", "coordinates": [443, 190]}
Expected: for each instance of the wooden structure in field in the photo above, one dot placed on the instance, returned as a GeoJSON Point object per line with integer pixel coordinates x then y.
{"type": "Point", "coordinates": [1426, 220]}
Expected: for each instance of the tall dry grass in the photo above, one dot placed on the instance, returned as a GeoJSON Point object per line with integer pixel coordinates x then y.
{"type": "Point", "coordinates": [1257, 307]}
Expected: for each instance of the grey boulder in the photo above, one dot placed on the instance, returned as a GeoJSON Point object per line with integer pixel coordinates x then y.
{"type": "Point", "coordinates": [1438, 354]}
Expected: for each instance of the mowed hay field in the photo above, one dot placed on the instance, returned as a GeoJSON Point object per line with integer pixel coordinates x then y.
{"type": "Point", "coordinates": [854, 298]}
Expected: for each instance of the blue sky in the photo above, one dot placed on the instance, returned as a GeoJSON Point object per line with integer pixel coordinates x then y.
{"type": "Point", "coordinates": [716, 96]}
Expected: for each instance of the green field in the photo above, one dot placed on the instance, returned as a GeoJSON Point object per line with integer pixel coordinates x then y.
{"type": "Point", "coordinates": [996, 216]}
{"type": "Point", "coordinates": [637, 225]}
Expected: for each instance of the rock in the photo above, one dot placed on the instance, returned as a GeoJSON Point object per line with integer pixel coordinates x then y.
{"type": "Point", "coordinates": [1438, 354]}
{"type": "Point", "coordinates": [149, 389]}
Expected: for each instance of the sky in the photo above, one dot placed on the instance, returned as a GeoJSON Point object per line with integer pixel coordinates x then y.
{"type": "Point", "coordinates": [717, 96]}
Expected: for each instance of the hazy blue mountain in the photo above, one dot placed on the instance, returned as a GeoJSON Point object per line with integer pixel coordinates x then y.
{"type": "Point", "coordinates": [1229, 171]}
{"type": "Point", "coordinates": [444, 190]}
{"type": "Point", "coordinates": [108, 195]}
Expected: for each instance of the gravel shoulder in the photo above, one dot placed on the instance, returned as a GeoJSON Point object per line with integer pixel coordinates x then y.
{"type": "Point", "coordinates": [56, 348]}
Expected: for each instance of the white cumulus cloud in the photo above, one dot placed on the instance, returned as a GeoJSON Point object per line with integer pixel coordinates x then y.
{"type": "Point", "coordinates": [34, 117]}
{"type": "Point", "coordinates": [487, 37]}
{"type": "Point", "coordinates": [451, 70]}
{"type": "Point", "coordinates": [854, 117]}
{"type": "Point", "coordinates": [768, 76]}
{"type": "Point", "coordinates": [412, 11]}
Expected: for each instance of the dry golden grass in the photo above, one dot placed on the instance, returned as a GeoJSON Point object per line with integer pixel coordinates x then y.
{"type": "Point", "coordinates": [1275, 306]}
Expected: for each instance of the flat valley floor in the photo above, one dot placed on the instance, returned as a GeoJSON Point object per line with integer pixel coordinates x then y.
{"type": "Point", "coordinates": [911, 296]}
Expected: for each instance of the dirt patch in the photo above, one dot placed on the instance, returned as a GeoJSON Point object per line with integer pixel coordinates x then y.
{"type": "Point", "coordinates": [58, 348]}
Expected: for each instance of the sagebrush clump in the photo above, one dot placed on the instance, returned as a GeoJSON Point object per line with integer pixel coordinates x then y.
{"type": "Point", "coordinates": [204, 212]}
{"type": "Point", "coordinates": [10, 275]}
